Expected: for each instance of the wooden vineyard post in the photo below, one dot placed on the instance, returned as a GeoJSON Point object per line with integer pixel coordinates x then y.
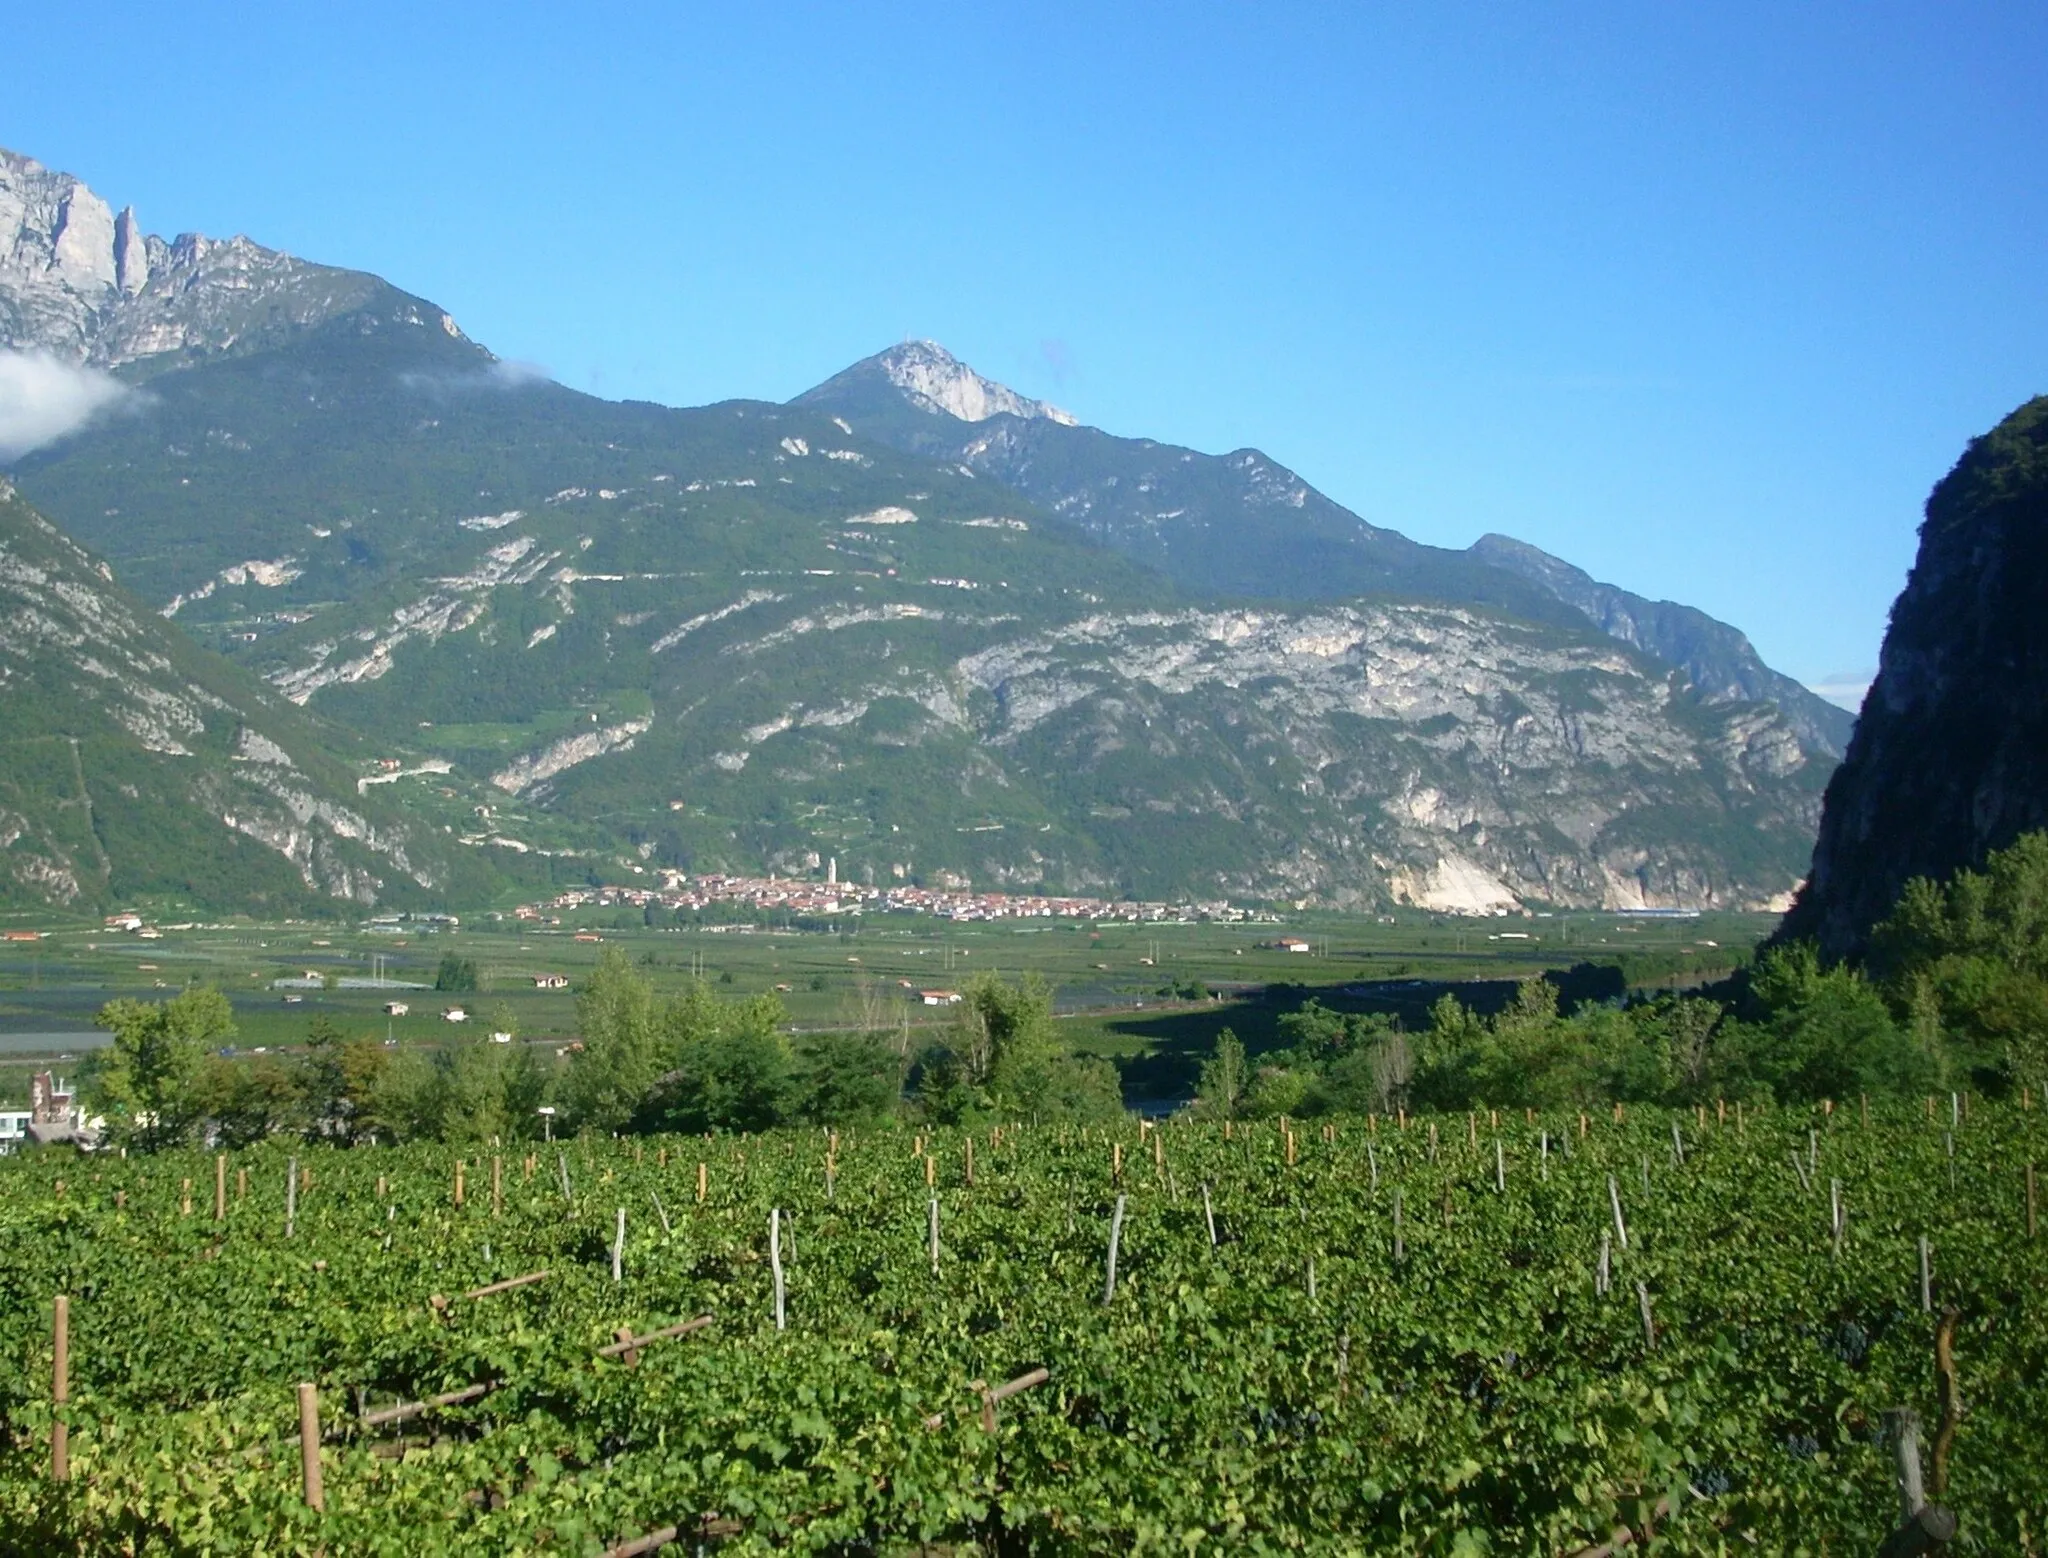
{"type": "Point", "coordinates": [1926, 1276]}
{"type": "Point", "coordinates": [381, 1190]}
{"type": "Point", "coordinates": [220, 1188]}
{"type": "Point", "coordinates": [241, 1184]}
{"type": "Point", "coordinates": [775, 1263]}
{"type": "Point", "coordinates": [309, 1446]}
{"type": "Point", "coordinates": [1617, 1114]}
{"type": "Point", "coordinates": [1290, 1147]}
{"type": "Point", "coordinates": [931, 1171]}
{"type": "Point", "coordinates": [497, 1185]}
{"type": "Point", "coordinates": [970, 1159]}
{"type": "Point", "coordinates": [1620, 1227]}
{"type": "Point", "coordinates": [619, 1249]}
{"type": "Point", "coordinates": [1209, 1215]}
{"type": "Point", "coordinates": [700, 1184]}
{"type": "Point", "coordinates": [1500, 1168]}
{"type": "Point", "coordinates": [1582, 1125]}
{"type": "Point", "coordinates": [934, 1225]}
{"type": "Point", "coordinates": [1400, 1249]}
{"type": "Point", "coordinates": [1116, 1234]}
{"type": "Point", "coordinates": [458, 1181]}
{"type": "Point", "coordinates": [185, 1199]}
{"type": "Point", "coordinates": [291, 1196]}
{"type": "Point", "coordinates": [60, 1388]}
{"type": "Point", "coordinates": [1923, 1527]}
{"type": "Point", "coordinates": [1649, 1325]}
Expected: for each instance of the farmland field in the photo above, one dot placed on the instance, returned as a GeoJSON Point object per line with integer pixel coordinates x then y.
{"type": "Point", "coordinates": [1380, 1336]}
{"type": "Point", "coordinates": [1115, 983]}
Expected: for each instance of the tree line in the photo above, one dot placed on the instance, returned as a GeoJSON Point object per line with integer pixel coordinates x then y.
{"type": "Point", "coordinates": [1953, 994]}
{"type": "Point", "coordinates": [693, 1062]}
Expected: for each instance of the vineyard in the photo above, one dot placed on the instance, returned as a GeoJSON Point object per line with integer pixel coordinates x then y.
{"type": "Point", "coordinates": [1457, 1334]}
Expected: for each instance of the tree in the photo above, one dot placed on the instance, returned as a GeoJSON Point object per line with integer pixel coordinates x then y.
{"type": "Point", "coordinates": [849, 1079]}
{"type": "Point", "coordinates": [146, 1081]}
{"type": "Point", "coordinates": [248, 1099]}
{"type": "Point", "coordinates": [457, 974]}
{"type": "Point", "coordinates": [1965, 964]}
{"type": "Point", "coordinates": [339, 1082]}
{"type": "Point", "coordinates": [1220, 1093]}
{"type": "Point", "coordinates": [610, 1077]}
{"type": "Point", "coordinates": [1825, 1032]}
{"type": "Point", "coordinates": [730, 1067]}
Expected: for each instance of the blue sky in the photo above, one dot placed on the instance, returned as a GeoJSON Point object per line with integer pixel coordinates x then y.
{"type": "Point", "coordinates": [1702, 298]}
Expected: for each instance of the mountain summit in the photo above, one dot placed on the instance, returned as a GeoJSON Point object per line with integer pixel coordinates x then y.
{"type": "Point", "coordinates": [85, 285]}
{"type": "Point", "coordinates": [933, 380]}
{"type": "Point", "coordinates": [914, 621]}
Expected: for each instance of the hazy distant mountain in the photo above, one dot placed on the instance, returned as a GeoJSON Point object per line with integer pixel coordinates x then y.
{"type": "Point", "coordinates": [1720, 659]}
{"type": "Point", "coordinates": [913, 621]}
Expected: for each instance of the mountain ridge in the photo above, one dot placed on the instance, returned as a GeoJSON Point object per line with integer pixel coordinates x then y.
{"type": "Point", "coordinates": [911, 620]}
{"type": "Point", "coordinates": [211, 790]}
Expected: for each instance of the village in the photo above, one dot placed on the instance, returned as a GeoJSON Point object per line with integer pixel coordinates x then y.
{"type": "Point", "coordinates": [797, 897]}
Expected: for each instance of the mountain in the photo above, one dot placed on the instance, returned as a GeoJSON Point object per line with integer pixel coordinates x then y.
{"type": "Point", "coordinates": [1237, 526]}
{"type": "Point", "coordinates": [86, 285]}
{"type": "Point", "coordinates": [139, 767]}
{"type": "Point", "coordinates": [1718, 659]}
{"type": "Point", "coordinates": [1946, 763]}
{"type": "Point", "coordinates": [881, 624]}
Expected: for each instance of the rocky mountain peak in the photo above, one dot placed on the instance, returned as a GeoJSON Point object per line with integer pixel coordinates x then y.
{"type": "Point", "coordinates": [84, 285]}
{"type": "Point", "coordinates": [933, 380]}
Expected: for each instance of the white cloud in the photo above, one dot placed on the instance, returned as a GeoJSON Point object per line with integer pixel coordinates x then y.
{"type": "Point", "coordinates": [1844, 688]}
{"type": "Point", "coordinates": [42, 399]}
{"type": "Point", "coordinates": [512, 375]}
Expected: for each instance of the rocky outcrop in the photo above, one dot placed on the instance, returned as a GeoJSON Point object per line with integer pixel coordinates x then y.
{"type": "Point", "coordinates": [933, 380]}
{"type": "Point", "coordinates": [1950, 756]}
{"type": "Point", "coordinates": [1719, 659]}
{"type": "Point", "coordinates": [86, 286]}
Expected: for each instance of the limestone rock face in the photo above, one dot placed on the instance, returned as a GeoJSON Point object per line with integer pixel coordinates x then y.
{"type": "Point", "coordinates": [1950, 756]}
{"type": "Point", "coordinates": [85, 286]}
{"type": "Point", "coordinates": [935, 381]}
{"type": "Point", "coordinates": [131, 253]}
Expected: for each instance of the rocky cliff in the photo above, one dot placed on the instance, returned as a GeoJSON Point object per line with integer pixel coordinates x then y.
{"type": "Point", "coordinates": [85, 285]}
{"type": "Point", "coordinates": [1950, 755]}
{"type": "Point", "coordinates": [1719, 659]}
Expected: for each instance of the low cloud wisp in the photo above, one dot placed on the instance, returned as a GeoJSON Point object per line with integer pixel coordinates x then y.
{"type": "Point", "coordinates": [43, 400]}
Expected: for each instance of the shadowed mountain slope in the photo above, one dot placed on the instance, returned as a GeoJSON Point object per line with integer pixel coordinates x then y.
{"type": "Point", "coordinates": [1950, 756]}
